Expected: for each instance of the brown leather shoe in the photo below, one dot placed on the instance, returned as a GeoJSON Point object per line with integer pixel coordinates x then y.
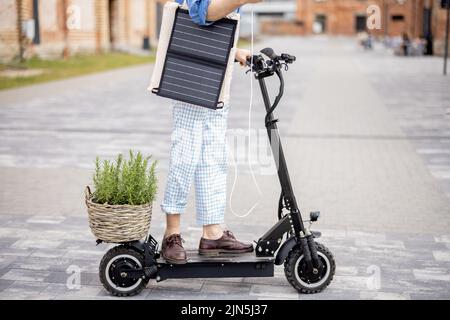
{"type": "Point", "coordinates": [227, 244]}
{"type": "Point", "coordinates": [172, 249]}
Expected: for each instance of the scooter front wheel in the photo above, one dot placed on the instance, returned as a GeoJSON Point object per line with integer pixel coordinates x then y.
{"type": "Point", "coordinates": [113, 269]}
{"type": "Point", "coordinates": [304, 280]}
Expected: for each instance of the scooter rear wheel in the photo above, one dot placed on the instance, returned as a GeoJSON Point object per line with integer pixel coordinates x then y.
{"type": "Point", "coordinates": [305, 281]}
{"type": "Point", "coordinates": [113, 268]}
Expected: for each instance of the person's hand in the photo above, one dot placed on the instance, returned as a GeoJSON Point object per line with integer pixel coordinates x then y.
{"type": "Point", "coordinates": [242, 55]}
{"type": "Point", "coordinates": [253, 1]}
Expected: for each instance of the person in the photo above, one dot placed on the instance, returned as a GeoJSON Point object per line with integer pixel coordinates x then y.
{"type": "Point", "coordinates": [199, 153]}
{"type": "Point", "coordinates": [405, 44]}
{"type": "Point", "coordinates": [429, 44]}
{"type": "Point", "coordinates": [369, 42]}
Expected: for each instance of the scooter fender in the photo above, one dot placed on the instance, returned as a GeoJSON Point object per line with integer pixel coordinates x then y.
{"type": "Point", "coordinates": [287, 246]}
{"type": "Point", "coordinates": [138, 245]}
{"type": "Point", "coordinates": [284, 250]}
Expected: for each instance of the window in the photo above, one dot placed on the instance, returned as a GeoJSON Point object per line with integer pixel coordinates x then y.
{"type": "Point", "coordinates": [398, 17]}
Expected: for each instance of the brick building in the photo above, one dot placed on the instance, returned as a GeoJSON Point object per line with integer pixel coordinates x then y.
{"type": "Point", "coordinates": [438, 18]}
{"type": "Point", "coordinates": [348, 17]}
{"type": "Point", "coordinates": [51, 28]}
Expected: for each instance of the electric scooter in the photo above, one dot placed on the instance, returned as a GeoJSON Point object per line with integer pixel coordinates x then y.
{"type": "Point", "coordinates": [309, 266]}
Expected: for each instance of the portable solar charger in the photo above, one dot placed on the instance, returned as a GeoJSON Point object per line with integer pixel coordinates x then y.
{"type": "Point", "coordinates": [194, 63]}
{"type": "Point", "coordinates": [309, 266]}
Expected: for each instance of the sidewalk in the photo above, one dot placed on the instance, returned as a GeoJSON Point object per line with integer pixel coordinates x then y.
{"type": "Point", "coordinates": [367, 140]}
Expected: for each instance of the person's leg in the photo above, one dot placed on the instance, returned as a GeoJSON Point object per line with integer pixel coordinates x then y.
{"type": "Point", "coordinates": [173, 221]}
{"type": "Point", "coordinates": [211, 188]}
{"type": "Point", "coordinates": [185, 153]}
{"type": "Point", "coordinates": [184, 156]}
{"type": "Point", "coordinates": [212, 231]}
{"type": "Point", "coordinates": [211, 173]}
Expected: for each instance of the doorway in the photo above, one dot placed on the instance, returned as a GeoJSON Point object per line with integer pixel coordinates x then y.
{"type": "Point", "coordinates": [113, 18]}
{"type": "Point", "coordinates": [320, 24]}
{"type": "Point", "coordinates": [360, 23]}
{"type": "Point", "coordinates": [427, 31]}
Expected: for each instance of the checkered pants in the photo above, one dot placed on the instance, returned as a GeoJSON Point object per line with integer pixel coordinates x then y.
{"type": "Point", "coordinates": [199, 154]}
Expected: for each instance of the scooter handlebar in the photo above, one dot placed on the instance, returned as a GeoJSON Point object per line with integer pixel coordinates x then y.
{"type": "Point", "coordinates": [256, 62]}
{"type": "Point", "coordinates": [259, 63]}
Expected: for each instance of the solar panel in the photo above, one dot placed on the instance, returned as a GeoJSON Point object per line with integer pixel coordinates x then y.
{"type": "Point", "coordinates": [196, 61]}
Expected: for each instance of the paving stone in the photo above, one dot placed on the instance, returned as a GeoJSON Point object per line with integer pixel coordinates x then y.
{"type": "Point", "coordinates": [41, 263]}
{"type": "Point", "coordinates": [48, 253]}
{"type": "Point", "coordinates": [273, 292]}
{"type": "Point", "coordinates": [332, 294]}
{"type": "Point", "coordinates": [442, 255]}
{"type": "Point", "coordinates": [89, 266]}
{"type": "Point", "coordinates": [442, 238]}
{"type": "Point", "coordinates": [53, 290]}
{"type": "Point", "coordinates": [35, 244]}
{"type": "Point", "coordinates": [275, 281]}
{"type": "Point", "coordinates": [377, 295]}
{"type": "Point", "coordinates": [347, 270]}
{"type": "Point", "coordinates": [351, 282]}
{"type": "Point", "coordinates": [9, 233]}
{"type": "Point", "coordinates": [432, 274]}
{"type": "Point", "coordinates": [104, 295]}
{"type": "Point", "coordinates": [174, 295]}
{"type": "Point", "coordinates": [231, 280]}
{"type": "Point", "coordinates": [4, 284]}
{"type": "Point", "coordinates": [7, 242]}
{"type": "Point", "coordinates": [177, 284]}
{"type": "Point", "coordinates": [5, 261]}
{"type": "Point", "coordinates": [386, 244]}
{"type": "Point", "coordinates": [15, 252]}
{"type": "Point", "coordinates": [62, 277]}
{"type": "Point", "coordinates": [46, 219]}
{"type": "Point", "coordinates": [85, 292]}
{"type": "Point", "coordinates": [23, 290]}
{"type": "Point", "coordinates": [224, 288]}
{"type": "Point", "coordinates": [430, 296]}
{"type": "Point", "coordinates": [25, 275]}
{"type": "Point", "coordinates": [84, 254]}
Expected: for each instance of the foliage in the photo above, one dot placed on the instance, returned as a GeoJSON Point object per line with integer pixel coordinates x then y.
{"type": "Point", "coordinates": [125, 181]}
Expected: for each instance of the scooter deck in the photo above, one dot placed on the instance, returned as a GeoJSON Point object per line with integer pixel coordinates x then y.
{"type": "Point", "coordinates": [223, 266]}
{"type": "Point", "coordinates": [194, 257]}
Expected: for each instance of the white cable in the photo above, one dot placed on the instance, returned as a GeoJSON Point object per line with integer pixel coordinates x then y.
{"type": "Point", "coordinates": [249, 137]}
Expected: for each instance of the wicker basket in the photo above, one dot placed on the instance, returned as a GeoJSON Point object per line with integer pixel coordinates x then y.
{"type": "Point", "coordinates": [118, 223]}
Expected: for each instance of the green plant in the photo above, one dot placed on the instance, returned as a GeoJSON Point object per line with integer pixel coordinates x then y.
{"type": "Point", "coordinates": [125, 181]}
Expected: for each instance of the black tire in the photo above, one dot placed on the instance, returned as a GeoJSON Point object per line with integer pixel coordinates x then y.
{"type": "Point", "coordinates": [108, 276]}
{"type": "Point", "coordinates": [293, 270]}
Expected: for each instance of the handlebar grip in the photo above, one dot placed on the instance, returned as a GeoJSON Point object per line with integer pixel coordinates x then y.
{"type": "Point", "coordinates": [288, 58]}
{"type": "Point", "coordinates": [269, 52]}
{"type": "Point", "coordinates": [249, 60]}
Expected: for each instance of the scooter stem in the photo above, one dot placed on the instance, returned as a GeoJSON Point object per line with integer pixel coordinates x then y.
{"type": "Point", "coordinates": [280, 160]}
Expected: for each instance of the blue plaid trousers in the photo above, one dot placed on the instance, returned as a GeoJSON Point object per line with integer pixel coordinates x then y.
{"type": "Point", "coordinates": [199, 153]}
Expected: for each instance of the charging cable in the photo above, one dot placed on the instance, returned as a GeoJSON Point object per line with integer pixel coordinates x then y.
{"type": "Point", "coordinates": [249, 137]}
